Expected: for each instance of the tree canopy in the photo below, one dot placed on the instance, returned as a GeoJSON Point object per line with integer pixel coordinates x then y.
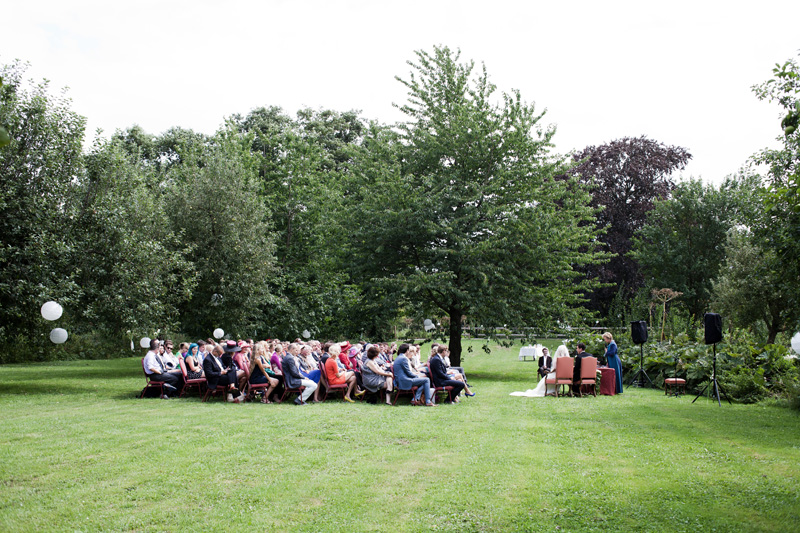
{"type": "Point", "coordinates": [460, 209]}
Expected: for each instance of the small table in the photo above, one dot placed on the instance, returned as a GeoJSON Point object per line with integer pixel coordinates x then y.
{"type": "Point", "coordinates": [527, 351]}
{"type": "Point", "coordinates": [608, 381]}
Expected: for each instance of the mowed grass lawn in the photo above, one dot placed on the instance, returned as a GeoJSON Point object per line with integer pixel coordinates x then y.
{"type": "Point", "coordinates": [78, 452]}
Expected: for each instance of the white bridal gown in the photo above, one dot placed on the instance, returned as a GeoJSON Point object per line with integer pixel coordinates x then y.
{"type": "Point", "coordinates": [542, 388]}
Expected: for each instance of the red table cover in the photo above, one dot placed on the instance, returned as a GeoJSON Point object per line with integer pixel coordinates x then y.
{"type": "Point", "coordinates": [608, 381]}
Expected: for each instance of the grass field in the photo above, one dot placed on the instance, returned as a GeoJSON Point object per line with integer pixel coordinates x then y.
{"type": "Point", "coordinates": [78, 452]}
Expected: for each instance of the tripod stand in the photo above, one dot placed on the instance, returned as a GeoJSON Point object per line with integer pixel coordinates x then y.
{"type": "Point", "coordinates": [640, 374]}
{"type": "Point", "coordinates": [715, 390]}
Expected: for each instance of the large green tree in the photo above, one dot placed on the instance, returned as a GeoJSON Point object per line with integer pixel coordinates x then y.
{"type": "Point", "coordinates": [749, 290]}
{"type": "Point", "coordinates": [216, 208]}
{"type": "Point", "coordinates": [38, 167]}
{"type": "Point", "coordinates": [682, 246]}
{"type": "Point", "coordinates": [460, 209]}
{"type": "Point", "coordinates": [133, 268]}
{"type": "Point", "coordinates": [781, 228]}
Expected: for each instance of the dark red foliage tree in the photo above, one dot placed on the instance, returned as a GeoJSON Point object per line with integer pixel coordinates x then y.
{"type": "Point", "coordinates": [628, 175]}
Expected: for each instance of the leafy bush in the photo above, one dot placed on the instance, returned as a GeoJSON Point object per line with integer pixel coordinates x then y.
{"type": "Point", "coordinates": [747, 371]}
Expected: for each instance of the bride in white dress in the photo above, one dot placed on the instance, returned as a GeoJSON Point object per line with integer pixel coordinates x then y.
{"type": "Point", "coordinates": [543, 389]}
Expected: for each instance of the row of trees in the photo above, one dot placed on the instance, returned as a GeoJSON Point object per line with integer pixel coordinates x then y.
{"type": "Point", "coordinates": [328, 222]}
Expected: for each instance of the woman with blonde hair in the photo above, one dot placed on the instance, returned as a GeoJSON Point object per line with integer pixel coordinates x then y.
{"type": "Point", "coordinates": [260, 370]}
{"type": "Point", "coordinates": [613, 359]}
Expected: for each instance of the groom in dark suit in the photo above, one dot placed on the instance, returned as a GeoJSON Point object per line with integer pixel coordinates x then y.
{"type": "Point", "coordinates": [545, 363]}
{"type": "Point", "coordinates": [580, 353]}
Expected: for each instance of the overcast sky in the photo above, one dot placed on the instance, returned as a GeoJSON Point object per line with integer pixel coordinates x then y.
{"type": "Point", "coordinates": [678, 72]}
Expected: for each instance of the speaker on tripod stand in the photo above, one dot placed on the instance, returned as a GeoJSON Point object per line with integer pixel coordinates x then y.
{"type": "Point", "coordinates": [639, 336]}
{"type": "Point", "coordinates": [713, 335]}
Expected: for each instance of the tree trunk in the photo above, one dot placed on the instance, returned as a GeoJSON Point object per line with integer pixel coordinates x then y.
{"type": "Point", "coordinates": [773, 328]}
{"type": "Point", "coordinates": [455, 337]}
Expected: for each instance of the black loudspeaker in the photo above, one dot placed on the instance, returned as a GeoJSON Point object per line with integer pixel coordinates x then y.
{"type": "Point", "coordinates": [639, 332]}
{"type": "Point", "coordinates": [713, 323]}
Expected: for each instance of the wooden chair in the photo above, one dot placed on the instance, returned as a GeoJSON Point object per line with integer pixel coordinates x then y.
{"type": "Point", "coordinates": [588, 375]}
{"type": "Point", "coordinates": [251, 388]}
{"type": "Point", "coordinates": [200, 383]}
{"type": "Point", "coordinates": [323, 379]}
{"type": "Point", "coordinates": [151, 384]}
{"type": "Point", "coordinates": [564, 368]}
{"type": "Point", "coordinates": [398, 391]}
{"type": "Point", "coordinates": [447, 391]}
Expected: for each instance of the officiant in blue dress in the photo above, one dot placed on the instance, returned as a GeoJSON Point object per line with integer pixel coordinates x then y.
{"type": "Point", "coordinates": [613, 358]}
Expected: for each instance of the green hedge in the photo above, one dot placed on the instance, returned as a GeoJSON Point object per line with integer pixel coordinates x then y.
{"type": "Point", "coordinates": [747, 371]}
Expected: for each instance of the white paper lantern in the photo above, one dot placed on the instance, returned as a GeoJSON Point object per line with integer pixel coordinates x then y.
{"type": "Point", "coordinates": [796, 342]}
{"type": "Point", "coordinates": [428, 324]}
{"type": "Point", "coordinates": [306, 334]}
{"type": "Point", "coordinates": [52, 311]}
{"type": "Point", "coordinates": [218, 333]}
{"type": "Point", "coordinates": [133, 348]}
{"type": "Point", "coordinates": [59, 335]}
{"type": "Point", "coordinates": [145, 342]}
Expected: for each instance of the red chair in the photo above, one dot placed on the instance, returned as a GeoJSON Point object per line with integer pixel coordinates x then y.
{"type": "Point", "coordinates": [448, 390]}
{"type": "Point", "coordinates": [151, 384]}
{"type": "Point", "coordinates": [221, 389]}
{"type": "Point", "coordinates": [323, 379]}
{"type": "Point", "coordinates": [200, 383]}
{"type": "Point", "coordinates": [588, 375]}
{"type": "Point", "coordinates": [398, 391]}
{"type": "Point", "coordinates": [564, 368]}
{"type": "Point", "coordinates": [251, 388]}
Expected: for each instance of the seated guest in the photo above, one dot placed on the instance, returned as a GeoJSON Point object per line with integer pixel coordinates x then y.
{"type": "Point", "coordinates": [260, 371]}
{"type": "Point", "coordinates": [242, 361]}
{"type": "Point", "coordinates": [336, 376]}
{"type": "Point", "coordinates": [168, 358]}
{"type": "Point", "coordinates": [293, 379]}
{"type": "Point", "coordinates": [580, 351]}
{"type": "Point", "coordinates": [545, 363]}
{"type": "Point", "coordinates": [344, 358]}
{"type": "Point", "coordinates": [441, 378]}
{"type": "Point", "coordinates": [194, 370]}
{"type": "Point", "coordinates": [201, 351]}
{"type": "Point", "coordinates": [374, 377]}
{"type": "Point", "coordinates": [156, 369]}
{"type": "Point", "coordinates": [231, 348]}
{"type": "Point", "coordinates": [219, 374]}
{"type": "Point", "coordinates": [184, 349]}
{"type": "Point", "coordinates": [276, 360]}
{"type": "Point", "coordinates": [444, 353]}
{"type": "Point", "coordinates": [407, 379]}
{"type": "Point", "coordinates": [309, 368]}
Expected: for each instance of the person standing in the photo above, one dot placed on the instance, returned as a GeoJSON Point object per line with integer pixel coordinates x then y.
{"type": "Point", "coordinates": [613, 358]}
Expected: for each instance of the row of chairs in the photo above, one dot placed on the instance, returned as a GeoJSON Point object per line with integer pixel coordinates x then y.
{"type": "Point", "coordinates": [251, 389]}
{"type": "Point", "coordinates": [565, 375]}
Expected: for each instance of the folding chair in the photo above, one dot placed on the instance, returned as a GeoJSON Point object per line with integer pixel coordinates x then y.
{"type": "Point", "coordinates": [398, 391]}
{"type": "Point", "coordinates": [198, 382]}
{"type": "Point", "coordinates": [151, 384]}
{"type": "Point", "coordinates": [323, 379]}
